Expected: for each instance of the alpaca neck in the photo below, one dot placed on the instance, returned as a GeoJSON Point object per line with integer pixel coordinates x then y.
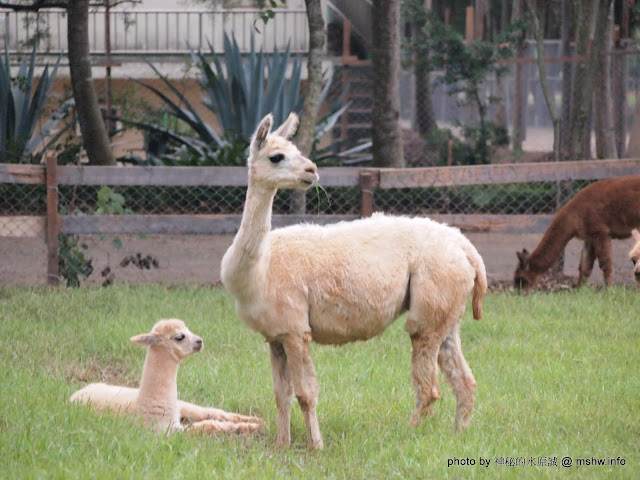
{"type": "Point", "coordinates": [159, 384]}
{"type": "Point", "coordinates": [552, 244]}
{"type": "Point", "coordinates": [248, 247]}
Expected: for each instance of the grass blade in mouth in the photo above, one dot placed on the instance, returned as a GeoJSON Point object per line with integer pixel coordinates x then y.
{"type": "Point", "coordinates": [318, 188]}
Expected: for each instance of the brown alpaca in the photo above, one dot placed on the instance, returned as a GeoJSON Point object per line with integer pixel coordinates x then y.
{"type": "Point", "coordinates": [599, 212]}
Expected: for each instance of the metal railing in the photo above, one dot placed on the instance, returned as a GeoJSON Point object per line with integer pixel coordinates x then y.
{"type": "Point", "coordinates": [157, 32]}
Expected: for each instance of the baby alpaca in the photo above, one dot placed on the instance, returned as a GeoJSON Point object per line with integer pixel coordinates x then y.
{"type": "Point", "coordinates": [634, 254]}
{"type": "Point", "coordinates": [157, 398]}
{"type": "Point", "coordinates": [599, 212]}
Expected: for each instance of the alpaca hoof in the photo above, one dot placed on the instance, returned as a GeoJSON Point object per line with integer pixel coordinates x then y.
{"type": "Point", "coordinates": [316, 445]}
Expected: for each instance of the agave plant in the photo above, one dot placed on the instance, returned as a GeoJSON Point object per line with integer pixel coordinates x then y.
{"type": "Point", "coordinates": [21, 109]}
{"type": "Point", "coordinates": [239, 94]}
{"type": "Point", "coordinates": [235, 95]}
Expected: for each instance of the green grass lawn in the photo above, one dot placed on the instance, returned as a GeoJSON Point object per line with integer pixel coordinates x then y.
{"type": "Point", "coordinates": [557, 376]}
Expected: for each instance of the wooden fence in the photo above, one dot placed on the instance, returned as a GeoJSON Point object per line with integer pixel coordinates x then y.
{"type": "Point", "coordinates": [367, 179]}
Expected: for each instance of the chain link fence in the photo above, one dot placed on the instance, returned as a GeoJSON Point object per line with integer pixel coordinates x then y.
{"type": "Point", "coordinates": [104, 258]}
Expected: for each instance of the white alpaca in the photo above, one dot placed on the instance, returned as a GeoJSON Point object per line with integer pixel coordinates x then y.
{"type": "Point", "coordinates": [157, 398]}
{"type": "Point", "coordinates": [634, 254]}
{"type": "Point", "coordinates": [346, 282]}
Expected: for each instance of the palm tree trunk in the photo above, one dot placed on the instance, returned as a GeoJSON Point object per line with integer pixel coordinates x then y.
{"type": "Point", "coordinates": [602, 100]}
{"type": "Point", "coordinates": [94, 133]}
{"type": "Point", "coordinates": [387, 137]}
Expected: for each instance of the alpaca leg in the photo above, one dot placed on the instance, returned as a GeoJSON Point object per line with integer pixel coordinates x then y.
{"type": "Point", "coordinates": [305, 384]}
{"type": "Point", "coordinates": [424, 373]}
{"type": "Point", "coordinates": [587, 259]}
{"type": "Point", "coordinates": [220, 426]}
{"type": "Point", "coordinates": [459, 376]}
{"type": "Point", "coordinates": [283, 389]}
{"type": "Point", "coordinates": [195, 413]}
{"type": "Point", "coordinates": [602, 247]}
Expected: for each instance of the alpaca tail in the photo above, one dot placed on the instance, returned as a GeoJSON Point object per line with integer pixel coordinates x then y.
{"type": "Point", "coordinates": [479, 282]}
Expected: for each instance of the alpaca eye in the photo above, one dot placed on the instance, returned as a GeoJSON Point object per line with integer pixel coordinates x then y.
{"type": "Point", "coordinates": [276, 158]}
{"type": "Point", "coordinates": [179, 337]}
{"type": "Point", "coordinates": [633, 260]}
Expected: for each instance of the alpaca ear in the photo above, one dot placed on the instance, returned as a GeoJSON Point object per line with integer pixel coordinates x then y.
{"type": "Point", "coordinates": [636, 235]}
{"type": "Point", "coordinates": [260, 135]}
{"type": "Point", "coordinates": [522, 257]}
{"type": "Point", "coordinates": [145, 339]}
{"type": "Point", "coordinates": [289, 128]}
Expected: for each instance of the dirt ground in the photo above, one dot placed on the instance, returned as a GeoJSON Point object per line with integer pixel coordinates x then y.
{"type": "Point", "coordinates": [196, 259]}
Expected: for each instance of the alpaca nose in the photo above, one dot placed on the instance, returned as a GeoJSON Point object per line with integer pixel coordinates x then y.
{"type": "Point", "coordinates": [637, 275]}
{"type": "Point", "coordinates": [311, 168]}
{"type": "Point", "coordinates": [199, 344]}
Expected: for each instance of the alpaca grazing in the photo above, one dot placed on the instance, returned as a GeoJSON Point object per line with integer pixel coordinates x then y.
{"type": "Point", "coordinates": [634, 254]}
{"type": "Point", "coordinates": [346, 282]}
{"type": "Point", "coordinates": [157, 398]}
{"type": "Point", "coordinates": [599, 212]}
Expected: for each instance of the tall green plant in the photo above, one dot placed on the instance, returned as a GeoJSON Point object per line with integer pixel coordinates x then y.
{"type": "Point", "coordinates": [465, 67]}
{"type": "Point", "coordinates": [240, 94]}
{"type": "Point", "coordinates": [21, 108]}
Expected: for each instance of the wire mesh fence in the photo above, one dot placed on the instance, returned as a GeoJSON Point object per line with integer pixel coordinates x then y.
{"type": "Point", "coordinates": [112, 238]}
{"type": "Point", "coordinates": [152, 200]}
{"type": "Point", "coordinates": [533, 198]}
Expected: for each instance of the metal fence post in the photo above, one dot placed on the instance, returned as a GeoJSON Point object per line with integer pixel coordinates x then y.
{"type": "Point", "coordinates": [53, 225]}
{"type": "Point", "coordinates": [368, 181]}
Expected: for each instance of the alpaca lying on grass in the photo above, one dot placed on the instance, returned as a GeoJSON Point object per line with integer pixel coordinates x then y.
{"type": "Point", "coordinates": [157, 398]}
{"type": "Point", "coordinates": [634, 254]}
{"type": "Point", "coordinates": [346, 282]}
{"type": "Point", "coordinates": [599, 212]}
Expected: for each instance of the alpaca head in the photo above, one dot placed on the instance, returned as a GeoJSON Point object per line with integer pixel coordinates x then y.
{"type": "Point", "coordinates": [523, 278]}
{"type": "Point", "coordinates": [172, 336]}
{"type": "Point", "coordinates": [634, 254]}
{"type": "Point", "coordinates": [275, 162]}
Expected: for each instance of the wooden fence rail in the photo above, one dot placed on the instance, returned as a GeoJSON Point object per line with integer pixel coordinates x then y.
{"type": "Point", "coordinates": [367, 179]}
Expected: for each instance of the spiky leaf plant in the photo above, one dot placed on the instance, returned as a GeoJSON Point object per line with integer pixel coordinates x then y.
{"type": "Point", "coordinates": [21, 109]}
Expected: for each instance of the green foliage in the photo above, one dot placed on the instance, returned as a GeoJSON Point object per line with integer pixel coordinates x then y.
{"type": "Point", "coordinates": [556, 373]}
{"type": "Point", "coordinates": [240, 90]}
{"type": "Point", "coordinates": [21, 108]}
{"type": "Point", "coordinates": [464, 67]}
{"type": "Point", "coordinates": [240, 94]}
{"type": "Point", "coordinates": [72, 262]}
{"type": "Point", "coordinates": [110, 202]}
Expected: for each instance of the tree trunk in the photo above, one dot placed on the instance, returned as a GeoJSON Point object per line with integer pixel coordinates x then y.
{"type": "Point", "coordinates": [425, 115]}
{"type": "Point", "coordinates": [500, 107]}
{"type": "Point", "coordinates": [387, 137]}
{"type": "Point", "coordinates": [519, 100]}
{"type": "Point", "coordinates": [94, 133]}
{"type": "Point", "coordinates": [304, 138]}
{"type": "Point", "coordinates": [602, 101]}
{"type": "Point", "coordinates": [536, 8]}
{"type": "Point", "coordinates": [633, 149]}
{"type": "Point", "coordinates": [565, 116]}
{"type": "Point", "coordinates": [582, 81]}
{"type": "Point", "coordinates": [620, 78]}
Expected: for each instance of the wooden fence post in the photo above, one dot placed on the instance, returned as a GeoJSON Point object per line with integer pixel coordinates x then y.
{"type": "Point", "coordinates": [368, 181]}
{"type": "Point", "coordinates": [53, 277]}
